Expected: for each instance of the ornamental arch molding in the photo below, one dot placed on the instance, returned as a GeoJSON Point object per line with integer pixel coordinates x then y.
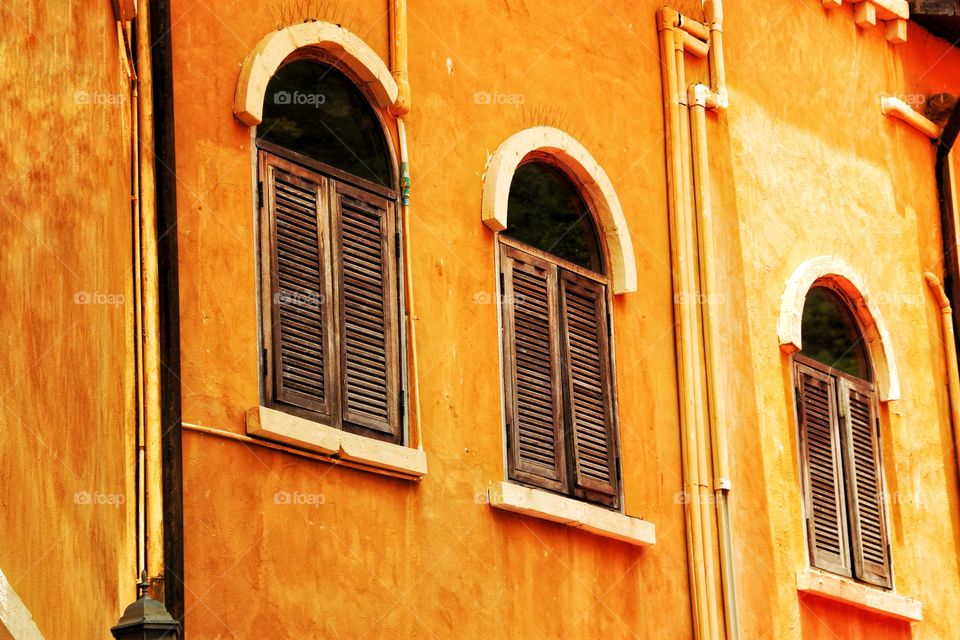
{"type": "Point", "coordinates": [348, 49]}
{"type": "Point", "coordinates": [597, 188]}
{"type": "Point", "coordinates": [839, 275]}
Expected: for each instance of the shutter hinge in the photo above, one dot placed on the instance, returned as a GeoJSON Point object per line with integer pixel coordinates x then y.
{"type": "Point", "coordinates": [260, 194]}
{"type": "Point", "coordinates": [403, 404]}
{"type": "Point", "coordinates": [503, 285]}
{"type": "Point", "coordinates": [609, 326]}
{"type": "Point", "coordinates": [263, 360]}
{"type": "Point", "coordinates": [619, 470]}
{"type": "Point", "coordinates": [396, 238]}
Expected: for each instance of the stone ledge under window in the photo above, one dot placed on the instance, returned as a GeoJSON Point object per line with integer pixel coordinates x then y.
{"type": "Point", "coordinates": [270, 424]}
{"type": "Point", "coordinates": [573, 513]}
{"type": "Point", "coordinates": [859, 595]}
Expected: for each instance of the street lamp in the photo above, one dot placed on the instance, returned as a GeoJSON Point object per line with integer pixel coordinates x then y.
{"type": "Point", "coordinates": [146, 619]}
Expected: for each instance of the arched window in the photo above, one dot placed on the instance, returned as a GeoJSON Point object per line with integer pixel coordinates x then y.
{"type": "Point", "coordinates": [329, 253]}
{"type": "Point", "coordinates": [840, 443]}
{"type": "Point", "coordinates": [561, 423]}
{"type": "Point", "coordinates": [316, 111]}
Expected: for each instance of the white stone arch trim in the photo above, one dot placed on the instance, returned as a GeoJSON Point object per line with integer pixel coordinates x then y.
{"type": "Point", "coordinates": [597, 186]}
{"type": "Point", "coordinates": [841, 276]}
{"type": "Point", "coordinates": [265, 58]}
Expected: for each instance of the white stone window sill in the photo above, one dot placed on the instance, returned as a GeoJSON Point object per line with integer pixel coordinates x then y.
{"type": "Point", "coordinates": [368, 453]}
{"type": "Point", "coordinates": [573, 513]}
{"type": "Point", "coordinates": [859, 595]}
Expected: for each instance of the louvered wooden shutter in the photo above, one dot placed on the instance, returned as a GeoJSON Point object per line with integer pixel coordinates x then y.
{"type": "Point", "coordinates": [864, 488]}
{"type": "Point", "coordinates": [365, 254]}
{"type": "Point", "coordinates": [534, 398]}
{"type": "Point", "coordinates": [589, 405]}
{"type": "Point", "coordinates": [295, 209]}
{"type": "Point", "coordinates": [823, 485]}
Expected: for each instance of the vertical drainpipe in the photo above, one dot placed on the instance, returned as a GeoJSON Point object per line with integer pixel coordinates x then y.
{"type": "Point", "coordinates": [400, 68]}
{"type": "Point", "coordinates": [667, 22]}
{"type": "Point", "coordinates": [947, 182]}
{"type": "Point", "coordinates": [169, 307]}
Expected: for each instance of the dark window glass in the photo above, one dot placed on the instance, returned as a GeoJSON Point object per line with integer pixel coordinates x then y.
{"type": "Point", "coordinates": [315, 110]}
{"type": "Point", "coordinates": [830, 334]}
{"type": "Point", "coordinates": [546, 211]}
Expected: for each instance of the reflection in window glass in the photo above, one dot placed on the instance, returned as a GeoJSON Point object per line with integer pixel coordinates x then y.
{"type": "Point", "coordinates": [830, 334]}
{"type": "Point", "coordinates": [546, 211]}
{"type": "Point", "coordinates": [315, 110]}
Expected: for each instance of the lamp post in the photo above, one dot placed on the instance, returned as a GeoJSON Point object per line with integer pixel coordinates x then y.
{"type": "Point", "coordinates": [146, 619]}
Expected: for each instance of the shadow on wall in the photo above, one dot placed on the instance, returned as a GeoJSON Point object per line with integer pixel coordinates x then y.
{"type": "Point", "coordinates": [753, 560]}
{"type": "Point", "coordinates": [822, 619]}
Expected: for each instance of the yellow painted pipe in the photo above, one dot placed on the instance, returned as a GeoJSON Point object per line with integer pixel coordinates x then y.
{"type": "Point", "coordinates": [398, 56]}
{"type": "Point", "coordinates": [713, 9]}
{"type": "Point", "coordinates": [399, 60]}
{"type": "Point", "coordinates": [150, 335]}
{"type": "Point", "coordinates": [693, 45]}
{"type": "Point", "coordinates": [950, 354]}
{"type": "Point", "coordinates": [416, 424]}
{"type": "Point", "coordinates": [696, 29]}
{"type": "Point", "coordinates": [700, 98]}
{"type": "Point", "coordinates": [135, 342]}
{"type": "Point", "coordinates": [137, 348]}
{"type": "Point", "coordinates": [668, 19]}
{"type": "Point", "coordinates": [692, 309]}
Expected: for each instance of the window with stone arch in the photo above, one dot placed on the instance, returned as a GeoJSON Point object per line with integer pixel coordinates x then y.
{"type": "Point", "coordinates": [331, 302]}
{"type": "Point", "coordinates": [841, 464]}
{"type": "Point", "coordinates": [555, 284]}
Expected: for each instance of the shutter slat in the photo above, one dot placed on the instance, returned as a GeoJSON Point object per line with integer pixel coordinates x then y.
{"type": "Point", "coordinates": [820, 450]}
{"type": "Point", "coordinates": [367, 307]}
{"type": "Point", "coordinates": [869, 532]}
{"type": "Point", "coordinates": [534, 405]}
{"type": "Point", "coordinates": [294, 206]}
{"type": "Point", "coordinates": [589, 388]}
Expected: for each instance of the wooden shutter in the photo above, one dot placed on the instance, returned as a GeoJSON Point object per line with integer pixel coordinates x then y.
{"type": "Point", "coordinates": [294, 209]}
{"type": "Point", "coordinates": [531, 355]}
{"type": "Point", "coordinates": [871, 560]}
{"type": "Point", "coordinates": [822, 474]}
{"type": "Point", "coordinates": [588, 397]}
{"type": "Point", "coordinates": [365, 262]}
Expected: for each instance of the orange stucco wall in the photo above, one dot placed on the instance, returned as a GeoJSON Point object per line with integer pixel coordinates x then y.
{"type": "Point", "coordinates": [66, 486]}
{"type": "Point", "coordinates": [803, 165]}
{"type": "Point", "coordinates": [813, 169]}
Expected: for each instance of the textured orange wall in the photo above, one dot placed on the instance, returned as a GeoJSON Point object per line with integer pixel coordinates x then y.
{"type": "Point", "coordinates": [66, 531]}
{"type": "Point", "coordinates": [812, 168]}
{"type": "Point", "coordinates": [803, 141]}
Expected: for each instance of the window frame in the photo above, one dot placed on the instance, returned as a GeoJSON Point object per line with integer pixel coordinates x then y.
{"type": "Point", "coordinates": [598, 238]}
{"type": "Point", "coordinates": [839, 380]}
{"type": "Point", "coordinates": [265, 269]}
{"type": "Point", "coordinates": [568, 486]}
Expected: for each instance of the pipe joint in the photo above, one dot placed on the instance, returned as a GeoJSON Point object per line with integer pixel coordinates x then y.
{"type": "Point", "coordinates": [936, 288]}
{"type": "Point", "coordinates": [890, 106]}
{"type": "Point", "coordinates": [702, 96]}
{"type": "Point", "coordinates": [401, 107]}
{"type": "Point", "coordinates": [668, 19]}
{"type": "Point", "coordinates": [713, 10]}
{"type": "Point", "coordinates": [696, 29]}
